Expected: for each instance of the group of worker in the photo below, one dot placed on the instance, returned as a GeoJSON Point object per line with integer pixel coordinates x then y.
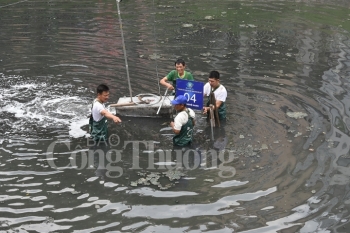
{"type": "Point", "coordinates": [184, 121]}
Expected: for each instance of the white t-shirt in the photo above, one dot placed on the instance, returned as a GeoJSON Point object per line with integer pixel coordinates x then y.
{"type": "Point", "coordinates": [182, 118]}
{"type": "Point", "coordinates": [220, 93]}
{"type": "Point", "coordinates": [96, 110]}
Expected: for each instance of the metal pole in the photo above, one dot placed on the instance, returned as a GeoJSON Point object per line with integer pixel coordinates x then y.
{"type": "Point", "coordinates": [162, 100]}
{"type": "Point", "coordinates": [124, 50]}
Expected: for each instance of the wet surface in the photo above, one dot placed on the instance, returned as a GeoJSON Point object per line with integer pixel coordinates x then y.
{"type": "Point", "coordinates": [281, 163]}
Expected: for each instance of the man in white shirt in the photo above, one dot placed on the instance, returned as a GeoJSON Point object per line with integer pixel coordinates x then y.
{"type": "Point", "coordinates": [99, 115]}
{"type": "Point", "coordinates": [183, 123]}
{"type": "Point", "coordinates": [213, 86]}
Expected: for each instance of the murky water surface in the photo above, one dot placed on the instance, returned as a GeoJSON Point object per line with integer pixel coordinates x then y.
{"type": "Point", "coordinates": [285, 168]}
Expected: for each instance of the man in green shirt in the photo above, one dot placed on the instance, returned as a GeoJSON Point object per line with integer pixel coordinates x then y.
{"type": "Point", "coordinates": [179, 72]}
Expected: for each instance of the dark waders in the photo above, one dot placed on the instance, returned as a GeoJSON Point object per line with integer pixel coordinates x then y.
{"type": "Point", "coordinates": [99, 136]}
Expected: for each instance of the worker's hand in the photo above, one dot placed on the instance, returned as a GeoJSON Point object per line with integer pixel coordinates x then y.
{"type": "Point", "coordinates": [205, 110]}
{"type": "Point", "coordinates": [170, 87]}
{"type": "Point", "coordinates": [116, 119]}
{"type": "Point", "coordinates": [172, 124]}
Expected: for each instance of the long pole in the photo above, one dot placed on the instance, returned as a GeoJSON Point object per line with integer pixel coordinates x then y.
{"type": "Point", "coordinates": [162, 100]}
{"type": "Point", "coordinates": [212, 120]}
{"type": "Point", "coordinates": [124, 50]}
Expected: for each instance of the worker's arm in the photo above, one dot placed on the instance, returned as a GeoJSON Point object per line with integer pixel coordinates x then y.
{"type": "Point", "coordinates": [109, 115]}
{"type": "Point", "coordinates": [217, 105]}
{"type": "Point", "coordinates": [164, 80]}
{"type": "Point", "coordinates": [172, 124]}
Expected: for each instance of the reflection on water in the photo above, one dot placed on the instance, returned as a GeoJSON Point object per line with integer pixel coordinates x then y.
{"type": "Point", "coordinates": [286, 142]}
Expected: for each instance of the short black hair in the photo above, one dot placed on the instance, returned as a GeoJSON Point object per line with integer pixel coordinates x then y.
{"type": "Point", "coordinates": [101, 88]}
{"type": "Point", "coordinates": [214, 74]}
{"type": "Point", "coordinates": [180, 61]}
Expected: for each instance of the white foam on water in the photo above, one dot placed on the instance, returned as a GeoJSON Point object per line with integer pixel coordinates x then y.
{"type": "Point", "coordinates": [75, 130]}
{"type": "Point", "coordinates": [42, 106]}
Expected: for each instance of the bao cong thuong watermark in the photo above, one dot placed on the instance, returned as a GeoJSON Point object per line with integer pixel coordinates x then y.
{"type": "Point", "coordinates": [141, 155]}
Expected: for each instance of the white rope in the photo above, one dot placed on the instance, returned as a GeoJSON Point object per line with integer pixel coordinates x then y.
{"type": "Point", "coordinates": [155, 45]}
{"type": "Point", "coordinates": [124, 50]}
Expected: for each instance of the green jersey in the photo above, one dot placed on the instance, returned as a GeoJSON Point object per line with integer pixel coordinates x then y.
{"type": "Point", "coordinates": [173, 75]}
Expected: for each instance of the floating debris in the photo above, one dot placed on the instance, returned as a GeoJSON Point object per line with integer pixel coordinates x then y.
{"type": "Point", "coordinates": [153, 179]}
{"type": "Point", "coordinates": [248, 26]}
{"type": "Point", "coordinates": [296, 115]}
{"type": "Point", "coordinates": [187, 25]}
{"type": "Point", "coordinates": [205, 54]}
{"type": "Point", "coordinates": [297, 135]}
{"type": "Point", "coordinates": [133, 183]}
{"type": "Point", "coordinates": [48, 220]}
{"type": "Point", "coordinates": [154, 56]}
{"type": "Point", "coordinates": [264, 147]}
{"type": "Point", "coordinates": [251, 26]}
{"type": "Point", "coordinates": [164, 187]}
{"type": "Point", "coordinates": [173, 175]}
{"type": "Point", "coordinates": [209, 17]}
{"type": "Point", "coordinates": [241, 136]}
{"type": "Point", "coordinates": [143, 181]}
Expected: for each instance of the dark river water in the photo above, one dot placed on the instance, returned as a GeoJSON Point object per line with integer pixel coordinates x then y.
{"type": "Point", "coordinates": [285, 161]}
